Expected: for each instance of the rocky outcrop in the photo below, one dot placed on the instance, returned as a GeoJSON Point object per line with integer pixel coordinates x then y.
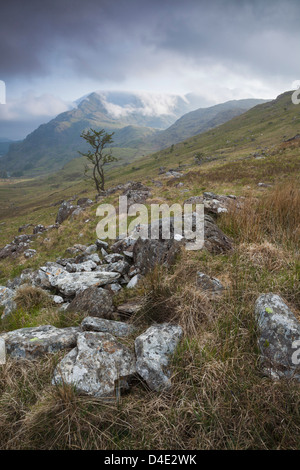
{"type": "Point", "coordinates": [153, 350]}
{"type": "Point", "coordinates": [31, 343]}
{"type": "Point", "coordinates": [279, 337]}
{"type": "Point", "coordinates": [98, 366]}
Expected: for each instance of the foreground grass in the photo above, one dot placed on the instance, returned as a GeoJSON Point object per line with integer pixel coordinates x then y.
{"type": "Point", "coordinates": [219, 398]}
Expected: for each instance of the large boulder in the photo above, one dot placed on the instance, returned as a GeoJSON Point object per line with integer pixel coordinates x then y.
{"type": "Point", "coordinates": [153, 350]}
{"type": "Point", "coordinates": [147, 253]}
{"type": "Point", "coordinates": [98, 366]}
{"type": "Point", "coordinates": [278, 331]}
{"type": "Point", "coordinates": [94, 301]}
{"type": "Point", "coordinates": [70, 284]}
{"type": "Point", "coordinates": [31, 343]}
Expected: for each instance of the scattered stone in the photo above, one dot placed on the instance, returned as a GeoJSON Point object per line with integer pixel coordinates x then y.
{"type": "Point", "coordinates": [101, 244]}
{"type": "Point", "coordinates": [215, 241]}
{"type": "Point", "coordinates": [134, 281]}
{"type": "Point", "coordinates": [29, 253]}
{"type": "Point", "coordinates": [114, 287]}
{"type": "Point", "coordinates": [279, 329]}
{"type": "Point", "coordinates": [91, 249]}
{"type": "Point", "coordinates": [153, 349]}
{"type": "Point", "coordinates": [64, 212]}
{"type": "Point", "coordinates": [130, 307]}
{"type": "Point", "coordinates": [84, 202]}
{"type": "Point", "coordinates": [57, 299]}
{"type": "Point", "coordinates": [99, 365]}
{"type": "Point", "coordinates": [31, 343]}
{"type": "Point", "coordinates": [94, 301]}
{"type": "Point", "coordinates": [210, 284]}
{"type": "Point", "coordinates": [39, 229]}
{"type": "Point", "coordinates": [16, 247]}
{"type": "Point", "coordinates": [113, 257]}
{"type": "Point", "coordinates": [70, 284]}
{"type": "Point", "coordinates": [6, 300]}
{"type": "Point", "coordinates": [116, 328]}
{"type": "Point", "coordinates": [121, 267]}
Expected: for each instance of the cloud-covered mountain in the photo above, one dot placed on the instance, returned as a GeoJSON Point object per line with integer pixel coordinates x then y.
{"type": "Point", "coordinates": [137, 120]}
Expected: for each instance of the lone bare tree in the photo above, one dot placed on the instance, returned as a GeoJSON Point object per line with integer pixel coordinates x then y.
{"type": "Point", "coordinates": [98, 157]}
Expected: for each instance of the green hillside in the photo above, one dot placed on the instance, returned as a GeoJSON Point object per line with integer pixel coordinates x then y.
{"type": "Point", "coordinates": [57, 142]}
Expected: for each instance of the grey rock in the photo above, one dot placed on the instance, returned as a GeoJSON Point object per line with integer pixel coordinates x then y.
{"type": "Point", "coordinates": [153, 350]}
{"type": "Point", "coordinates": [101, 244]}
{"type": "Point", "coordinates": [29, 253]}
{"type": "Point", "coordinates": [279, 329]}
{"type": "Point", "coordinates": [130, 307]}
{"type": "Point", "coordinates": [57, 299]}
{"type": "Point", "coordinates": [99, 365]}
{"type": "Point", "coordinates": [31, 343]}
{"type": "Point", "coordinates": [134, 281]}
{"type": "Point", "coordinates": [113, 258]}
{"type": "Point", "coordinates": [116, 328]}
{"type": "Point", "coordinates": [70, 284]}
{"type": "Point", "coordinates": [209, 284]}
{"type": "Point", "coordinates": [65, 210]}
{"type": "Point", "coordinates": [121, 267]}
{"type": "Point", "coordinates": [6, 300]}
{"type": "Point", "coordinates": [94, 301]}
{"type": "Point", "coordinates": [84, 202]}
{"type": "Point", "coordinates": [91, 249]}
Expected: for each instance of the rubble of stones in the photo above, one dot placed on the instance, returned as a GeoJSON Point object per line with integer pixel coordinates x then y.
{"type": "Point", "coordinates": [96, 362]}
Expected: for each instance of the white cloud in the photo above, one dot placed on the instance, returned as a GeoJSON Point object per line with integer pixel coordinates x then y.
{"type": "Point", "coordinates": [29, 106]}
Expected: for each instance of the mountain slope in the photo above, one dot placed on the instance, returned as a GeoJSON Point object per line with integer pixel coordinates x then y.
{"type": "Point", "coordinates": [203, 119]}
{"type": "Point", "coordinates": [135, 120]}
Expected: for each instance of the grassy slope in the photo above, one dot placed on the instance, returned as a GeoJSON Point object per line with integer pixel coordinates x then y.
{"type": "Point", "coordinates": [219, 398]}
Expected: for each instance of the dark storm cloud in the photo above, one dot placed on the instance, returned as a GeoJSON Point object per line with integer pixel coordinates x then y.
{"type": "Point", "coordinates": [117, 38]}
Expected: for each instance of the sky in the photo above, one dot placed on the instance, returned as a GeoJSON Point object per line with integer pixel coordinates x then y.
{"type": "Point", "coordinates": [52, 52]}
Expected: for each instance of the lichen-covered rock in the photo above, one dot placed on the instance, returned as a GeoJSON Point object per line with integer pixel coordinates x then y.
{"type": "Point", "coordinates": [94, 302]}
{"type": "Point", "coordinates": [153, 350]}
{"type": "Point", "coordinates": [98, 366]}
{"type": "Point", "coordinates": [70, 284]}
{"type": "Point", "coordinates": [147, 253]}
{"type": "Point", "coordinates": [116, 328]}
{"type": "Point", "coordinates": [6, 300]}
{"type": "Point", "coordinates": [278, 329]}
{"type": "Point", "coordinates": [31, 343]}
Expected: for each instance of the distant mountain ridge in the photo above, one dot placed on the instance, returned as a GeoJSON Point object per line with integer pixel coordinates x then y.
{"type": "Point", "coordinates": [141, 122]}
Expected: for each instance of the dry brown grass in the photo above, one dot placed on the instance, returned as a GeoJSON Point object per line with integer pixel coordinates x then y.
{"type": "Point", "coordinates": [30, 297]}
{"type": "Point", "coordinates": [275, 217]}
